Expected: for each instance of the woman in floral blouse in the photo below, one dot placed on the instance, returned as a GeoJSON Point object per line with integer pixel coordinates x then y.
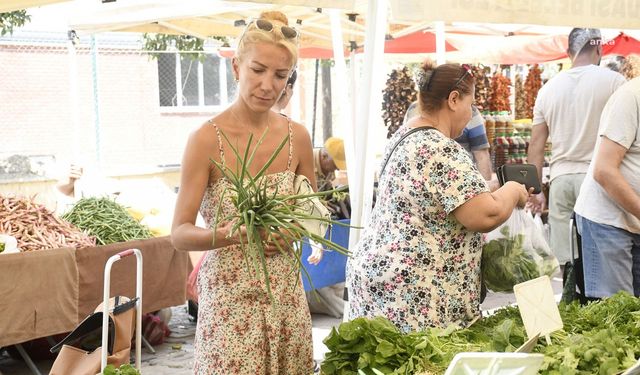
{"type": "Point", "coordinates": [418, 259]}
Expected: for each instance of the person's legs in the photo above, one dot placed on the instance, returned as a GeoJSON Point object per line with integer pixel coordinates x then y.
{"type": "Point", "coordinates": [606, 258]}
{"type": "Point", "coordinates": [562, 197]}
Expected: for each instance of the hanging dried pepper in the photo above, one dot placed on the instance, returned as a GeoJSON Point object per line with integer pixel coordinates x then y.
{"type": "Point", "coordinates": [532, 85]}
{"type": "Point", "coordinates": [521, 106]}
{"type": "Point", "coordinates": [398, 95]}
{"type": "Point", "coordinates": [500, 92]}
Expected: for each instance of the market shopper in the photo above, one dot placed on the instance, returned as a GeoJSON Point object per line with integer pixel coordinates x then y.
{"type": "Point", "coordinates": [473, 139]}
{"type": "Point", "coordinates": [567, 111]}
{"type": "Point", "coordinates": [287, 93]}
{"type": "Point", "coordinates": [239, 330]}
{"type": "Point", "coordinates": [327, 160]}
{"type": "Point", "coordinates": [608, 207]}
{"type": "Point", "coordinates": [418, 258]}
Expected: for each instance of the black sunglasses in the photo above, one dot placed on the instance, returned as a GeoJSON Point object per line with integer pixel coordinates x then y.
{"type": "Point", "coordinates": [265, 25]}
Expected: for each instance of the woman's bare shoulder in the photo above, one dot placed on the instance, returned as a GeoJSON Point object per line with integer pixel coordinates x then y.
{"type": "Point", "coordinates": [297, 128]}
{"type": "Point", "coordinates": [209, 129]}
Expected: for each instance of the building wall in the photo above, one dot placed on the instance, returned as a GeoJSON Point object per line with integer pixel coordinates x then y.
{"type": "Point", "coordinates": [135, 135]}
{"type": "Point", "coordinates": [37, 111]}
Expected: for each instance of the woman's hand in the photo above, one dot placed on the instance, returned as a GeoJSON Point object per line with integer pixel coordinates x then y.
{"type": "Point", "coordinates": [521, 190]}
{"type": "Point", "coordinates": [537, 203]}
{"type": "Point", "coordinates": [316, 253]}
{"type": "Point", "coordinates": [224, 237]}
{"type": "Point", "coordinates": [276, 242]}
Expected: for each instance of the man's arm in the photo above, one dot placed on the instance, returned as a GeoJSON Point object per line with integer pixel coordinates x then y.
{"type": "Point", "coordinates": [483, 161]}
{"type": "Point", "coordinates": [67, 186]}
{"type": "Point", "coordinates": [535, 156]}
{"type": "Point", "coordinates": [607, 173]}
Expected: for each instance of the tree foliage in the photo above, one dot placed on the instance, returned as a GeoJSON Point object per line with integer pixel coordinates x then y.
{"type": "Point", "coordinates": [163, 42]}
{"type": "Point", "coordinates": [10, 20]}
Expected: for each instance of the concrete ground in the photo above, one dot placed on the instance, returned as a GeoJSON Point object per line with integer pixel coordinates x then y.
{"type": "Point", "coordinates": [175, 356]}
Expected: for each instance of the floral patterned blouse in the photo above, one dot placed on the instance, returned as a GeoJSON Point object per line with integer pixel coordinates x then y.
{"type": "Point", "coordinates": [415, 263]}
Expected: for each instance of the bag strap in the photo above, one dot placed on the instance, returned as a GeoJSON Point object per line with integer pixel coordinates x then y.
{"type": "Point", "coordinates": [87, 327]}
{"type": "Point", "coordinates": [405, 135]}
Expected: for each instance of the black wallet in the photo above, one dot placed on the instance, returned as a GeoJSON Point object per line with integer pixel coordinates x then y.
{"type": "Point", "coordinates": [526, 174]}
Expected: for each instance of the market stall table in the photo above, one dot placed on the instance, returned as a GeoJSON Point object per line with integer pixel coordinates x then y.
{"type": "Point", "coordinates": [47, 292]}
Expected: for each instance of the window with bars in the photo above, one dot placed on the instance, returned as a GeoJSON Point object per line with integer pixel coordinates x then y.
{"type": "Point", "coordinates": [187, 84]}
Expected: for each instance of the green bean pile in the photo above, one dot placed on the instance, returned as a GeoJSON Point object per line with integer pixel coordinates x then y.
{"type": "Point", "coordinates": [105, 219]}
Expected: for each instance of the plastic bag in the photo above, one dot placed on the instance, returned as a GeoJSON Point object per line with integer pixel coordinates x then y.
{"type": "Point", "coordinates": [516, 252]}
{"type": "Point", "coordinates": [543, 228]}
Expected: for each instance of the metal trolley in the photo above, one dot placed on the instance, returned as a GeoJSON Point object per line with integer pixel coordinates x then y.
{"type": "Point", "coordinates": [138, 299]}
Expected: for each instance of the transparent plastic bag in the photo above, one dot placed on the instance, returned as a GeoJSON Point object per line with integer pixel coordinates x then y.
{"type": "Point", "coordinates": [516, 252]}
{"type": "Point", "coordinates": [544, 228]}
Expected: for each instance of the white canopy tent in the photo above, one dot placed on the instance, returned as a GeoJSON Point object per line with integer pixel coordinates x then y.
{"type": "Point", "coordinates": [13, 5]}
{"type": "Point", "coordinates": [572, 13]}
{"type": "Point", "coordinates": [206, 18]}
{"type": "Point", "coordinates": [326, 29]}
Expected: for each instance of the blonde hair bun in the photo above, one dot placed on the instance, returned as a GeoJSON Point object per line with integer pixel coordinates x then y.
{"type": "Point", "coordinates": [274, 15]}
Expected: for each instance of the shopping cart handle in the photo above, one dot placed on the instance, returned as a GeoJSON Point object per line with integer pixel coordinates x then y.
{"type": "Point", "coordinates": [125, 253]}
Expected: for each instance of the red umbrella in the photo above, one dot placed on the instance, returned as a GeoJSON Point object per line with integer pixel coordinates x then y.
{"type": "Point", "coordinates": [623, 45]}
{"type": "Point", "coordinates": [417, 42]}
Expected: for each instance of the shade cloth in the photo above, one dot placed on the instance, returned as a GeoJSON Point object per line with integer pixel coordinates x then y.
{"type": "Point", "coordinates": [49, 292]}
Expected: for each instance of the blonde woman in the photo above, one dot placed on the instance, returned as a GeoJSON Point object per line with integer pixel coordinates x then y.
{"type": "Point", "coordinates": [239, 331]}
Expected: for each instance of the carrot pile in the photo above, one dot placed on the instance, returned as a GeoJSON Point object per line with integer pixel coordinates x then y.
{"type": "Point", "coordinates": [37, 228]}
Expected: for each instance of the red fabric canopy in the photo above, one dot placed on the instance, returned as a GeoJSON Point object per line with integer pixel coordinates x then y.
{"type": "Point", "coordinates": [623, 45]}
{"type": "Point", "coordinates": [417, 42]}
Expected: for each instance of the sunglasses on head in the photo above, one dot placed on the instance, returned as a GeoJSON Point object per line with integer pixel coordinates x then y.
{"type": "Point", "coordinates": [467, 70]}
{"type": "Point", "coordinates": [265, 25]}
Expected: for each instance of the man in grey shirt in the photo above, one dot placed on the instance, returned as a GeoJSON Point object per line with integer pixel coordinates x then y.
{"type": "Point", "coordinates": [608, 207]}
{"type": "Point", "coordinates": [567, 110]}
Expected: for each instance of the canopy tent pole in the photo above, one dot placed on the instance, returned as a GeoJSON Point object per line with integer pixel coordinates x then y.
{"type": "Point", "coordinates": [369, 99]}
{"type": "Point", "coordinates": [96, 100]}
{"type": "Point", "coordinates": [440, 43]}
{"type": "Point", "coordinates": [315, 103]}
{"type": "Point", "coordinates": [344, 118]}
{"type": "Point", "coordinates": [73, 96]}
{"type": "Point", "coordinates": [350, 143]}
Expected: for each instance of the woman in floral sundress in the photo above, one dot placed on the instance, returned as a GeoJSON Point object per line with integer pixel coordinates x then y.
{"type": "Point", "coordinates": [239, 330]}
{"type": "Point", "coordinates": [418, 259]}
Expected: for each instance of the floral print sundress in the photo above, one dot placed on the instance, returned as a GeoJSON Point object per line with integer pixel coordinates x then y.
{"type": "Point", "coordinates": [415, 264]}
{"type": "Point", "coordinates": [239, 331]}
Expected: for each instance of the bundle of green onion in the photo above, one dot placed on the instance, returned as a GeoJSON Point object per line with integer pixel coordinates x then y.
{"type": "Point", "coordinates": [262, 209]}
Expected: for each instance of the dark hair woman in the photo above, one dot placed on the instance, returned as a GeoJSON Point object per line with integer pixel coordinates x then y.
{"type": "Point", "coordinates": [418, 259]}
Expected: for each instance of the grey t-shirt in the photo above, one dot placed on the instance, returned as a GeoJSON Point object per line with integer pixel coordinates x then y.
{"type": "Point", "coordinates": [571, 104]}
{"type": "Point", "coordinates": [620, 123]}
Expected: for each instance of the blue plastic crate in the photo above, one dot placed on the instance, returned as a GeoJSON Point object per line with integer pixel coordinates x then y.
{"type": "Point", "coordinates": [331, 270]}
